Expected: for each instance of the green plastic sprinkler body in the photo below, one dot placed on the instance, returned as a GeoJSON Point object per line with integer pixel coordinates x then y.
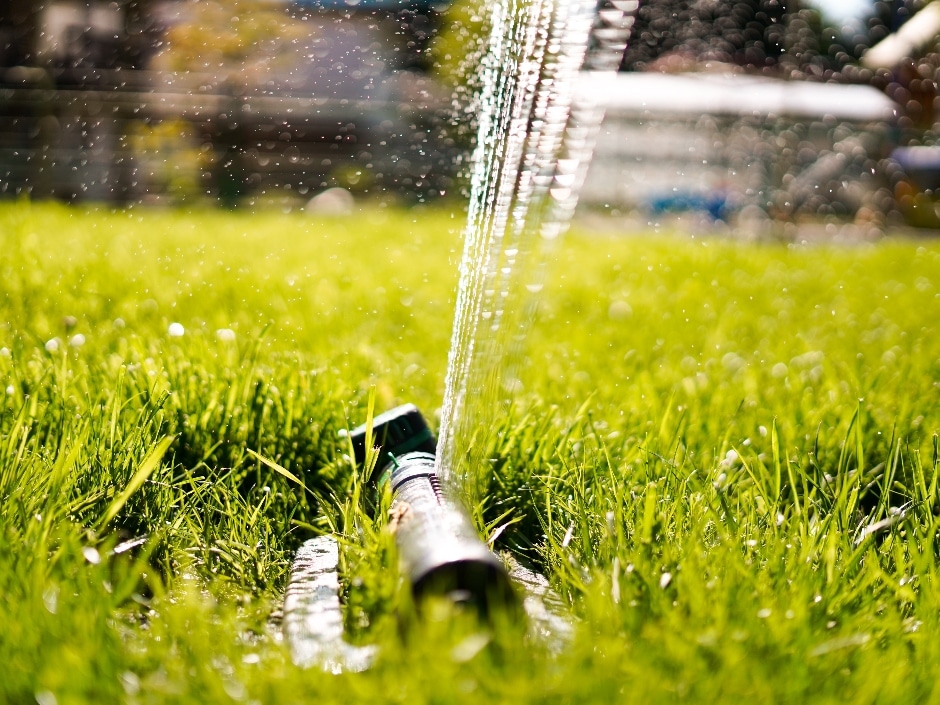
{"type": "Point", "coordinates": [439, 549]}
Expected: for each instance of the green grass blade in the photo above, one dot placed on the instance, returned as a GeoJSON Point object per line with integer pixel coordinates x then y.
{"type": "Point", "coordinates": [276, 467]}
{"type": "Point", "coordinates": [150, 463]}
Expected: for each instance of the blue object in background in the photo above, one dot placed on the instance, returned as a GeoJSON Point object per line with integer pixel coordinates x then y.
{"type": "Point", "coordinates": [714, 203]}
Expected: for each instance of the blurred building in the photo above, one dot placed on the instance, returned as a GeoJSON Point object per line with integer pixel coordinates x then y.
{"type": "Point", "coordinates": [730, 145]}
{"type": "Point", "coordinates": [62, 66]}
{"type": "Point", "coordinates": [65, 34]}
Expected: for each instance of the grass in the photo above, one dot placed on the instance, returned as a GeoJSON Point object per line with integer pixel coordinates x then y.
{"type": "Point", "coordinates": [723, 455]}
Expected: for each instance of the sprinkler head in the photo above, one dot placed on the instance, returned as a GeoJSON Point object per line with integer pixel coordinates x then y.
{"type": "Point", "coordinates": [396, 432]}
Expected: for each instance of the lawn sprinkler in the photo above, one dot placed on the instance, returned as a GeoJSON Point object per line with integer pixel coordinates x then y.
{"type": "Point", "coordinates": [440, 554]}
{"type": "Point", "coordinates": [439, 549]}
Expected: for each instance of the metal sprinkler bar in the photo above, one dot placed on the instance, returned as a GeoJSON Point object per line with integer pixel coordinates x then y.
{"type": "Point", "coordinates": [440, 554]}
{"type": "Point", "coordinates": [440, 551]}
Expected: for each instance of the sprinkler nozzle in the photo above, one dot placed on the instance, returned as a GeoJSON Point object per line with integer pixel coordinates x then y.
{"type": "Point", "coordinates": [396, 432]}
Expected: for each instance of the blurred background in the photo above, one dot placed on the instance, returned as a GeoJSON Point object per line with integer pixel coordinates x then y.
{"type": "Point", "coordinates": [752, 112]}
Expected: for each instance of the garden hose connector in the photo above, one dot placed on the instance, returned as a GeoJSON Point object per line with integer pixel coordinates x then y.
{"type": "Point", "coordinates": [439, 550]}
{"type": "Point", "coordinates": [397, 432]}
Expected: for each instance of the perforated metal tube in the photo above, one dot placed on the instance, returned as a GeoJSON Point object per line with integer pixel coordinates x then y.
{"type": "Point", "coordinates": [439, 548]}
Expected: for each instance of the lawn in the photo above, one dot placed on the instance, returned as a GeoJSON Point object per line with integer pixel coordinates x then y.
{"type": "Point", "coordinates": [723, 455]}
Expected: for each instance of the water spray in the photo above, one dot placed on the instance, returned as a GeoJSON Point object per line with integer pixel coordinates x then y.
{"type": "Point", "coordinates": [534, 144]}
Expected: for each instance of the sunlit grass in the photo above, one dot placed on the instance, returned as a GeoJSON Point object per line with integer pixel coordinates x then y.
{"type": "Point", "coordinates": [723, 455]}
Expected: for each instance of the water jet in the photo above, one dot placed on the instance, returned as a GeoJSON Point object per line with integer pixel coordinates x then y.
{"type": "Point", "coordinates": [533, 146]}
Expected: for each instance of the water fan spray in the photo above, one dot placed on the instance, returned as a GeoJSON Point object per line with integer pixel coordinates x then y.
{"type": "Point", "coordinates": [533, 148]}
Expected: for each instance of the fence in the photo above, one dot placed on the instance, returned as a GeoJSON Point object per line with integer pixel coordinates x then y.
{"type": "Point", "coordinates": [730, 143]}
{"type": "Point", "coordinates": [129, 136]}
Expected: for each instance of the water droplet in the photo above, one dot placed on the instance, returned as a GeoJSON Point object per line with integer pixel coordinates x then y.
{"type": "Point", "coordinates": [619, 310]}
{"type": "Point", "coordinates": [50, 599]}
{"type": "Point", "coordinates": [176, 330]}
{"type": "Point", "coordinates": [46, 697]}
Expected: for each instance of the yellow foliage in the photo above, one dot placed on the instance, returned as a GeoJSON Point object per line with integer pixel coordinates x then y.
{"type": "Point", "coordinates": [458, 47]}
{"type": "Point", "coordinates": [229, 35]}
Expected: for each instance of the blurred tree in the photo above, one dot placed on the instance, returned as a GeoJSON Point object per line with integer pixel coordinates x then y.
{"type": "Point", "coordinates": [912, 81]}
{"type": "Point", "coordinates": [672, 34]}
{"type": "Point", "coordinates": [458, 47]}
{"type": "Point", "coordinates": [456, 53]}
{"type": "Point", "coordinates": [893, 13]}
{"type": "Point", "coordinates": [782, 37]}
{"type": "Point", "coordinates": [844, 42]}
{"type": "Point", "coordinates": [236, 38]}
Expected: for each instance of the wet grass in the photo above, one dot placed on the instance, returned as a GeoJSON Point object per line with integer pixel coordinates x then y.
{"type": "Point", "coordinates": [723, 455]}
